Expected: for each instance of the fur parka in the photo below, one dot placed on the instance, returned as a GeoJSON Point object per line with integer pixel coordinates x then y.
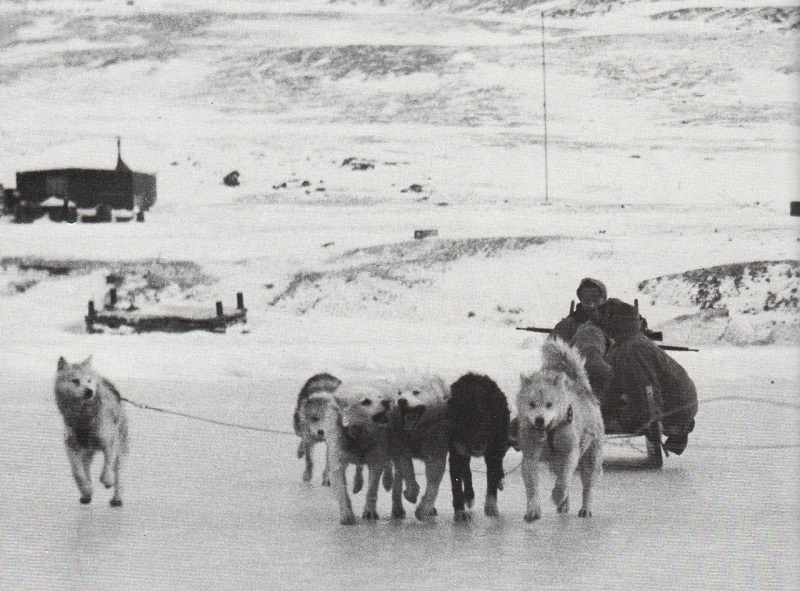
{"type": "Point", "coordinates": [636, 363]}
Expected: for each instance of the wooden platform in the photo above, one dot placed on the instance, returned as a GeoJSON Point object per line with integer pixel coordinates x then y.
{"type": "Point", "coordinates": [166, 319]}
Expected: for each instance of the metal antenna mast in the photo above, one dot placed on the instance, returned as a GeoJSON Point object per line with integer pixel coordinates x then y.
{"type": "Point", "coordinates": [544, 102]}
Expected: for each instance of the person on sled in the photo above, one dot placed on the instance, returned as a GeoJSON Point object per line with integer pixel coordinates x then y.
{"type": "Point", "coordinates": [581, 330]}
{"type": "Point", "coordinates": [591, 293]}
{"type": "Point", "coordinates": [638, 365]}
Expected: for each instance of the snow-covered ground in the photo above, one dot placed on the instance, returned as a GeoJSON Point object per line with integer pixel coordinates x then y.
{"type": "Point", "coordinates": [672, 159]}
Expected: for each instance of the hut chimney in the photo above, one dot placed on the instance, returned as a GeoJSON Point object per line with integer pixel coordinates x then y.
{"type": "Point", "coordinates": [121, 166]}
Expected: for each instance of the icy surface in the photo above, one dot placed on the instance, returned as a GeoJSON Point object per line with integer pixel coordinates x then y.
{"type": "Point", "coordinates": [215, 507]}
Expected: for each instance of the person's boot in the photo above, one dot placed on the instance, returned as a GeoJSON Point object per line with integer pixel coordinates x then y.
{"type": "Point", "coordinates": [676, 444]}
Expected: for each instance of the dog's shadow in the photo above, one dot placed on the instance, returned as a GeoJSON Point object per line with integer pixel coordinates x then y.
{"type": "Point", "coordinates": [636, 464]}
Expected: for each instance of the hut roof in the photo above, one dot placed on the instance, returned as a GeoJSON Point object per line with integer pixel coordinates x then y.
{"type": "Point", "coordinates": [85, 155]}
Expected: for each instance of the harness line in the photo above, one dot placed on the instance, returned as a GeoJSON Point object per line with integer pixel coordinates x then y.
{"type": "Point", "coordinates": [206, 420]}
{"type": "Point", "coordinates": [732, 397]}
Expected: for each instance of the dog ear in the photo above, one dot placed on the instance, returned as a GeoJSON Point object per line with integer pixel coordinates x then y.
{"type": "Point", "coordinates": [86, 362]}
{"type": "Point", "coordinates": [62, 364]}
{"type": "Point", "coordinates": [523, 379]}
{"type": "Point", "coordinates": [446, 393]}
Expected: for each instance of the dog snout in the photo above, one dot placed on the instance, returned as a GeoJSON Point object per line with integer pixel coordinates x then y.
{"type": "Point", "coordinates": [88, 393]}
{"type": "Point", "coordinates": [538, 422]}
{"type": "Point", "coordinates": [321, 432]}
{"type": "Point", "coordinates": [387, 404]}
{"type": "Point", "coordinates": [402, 404]}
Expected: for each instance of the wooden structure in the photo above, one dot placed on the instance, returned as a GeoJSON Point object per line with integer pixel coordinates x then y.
{"type": "Point", "coordinates": [148, 322]}
{"type": "Point", "coordinates": [421, 234]}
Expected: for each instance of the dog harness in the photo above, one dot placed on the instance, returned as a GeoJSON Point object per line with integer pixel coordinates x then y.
{"type": "Point", "coordinates": [551, 431]}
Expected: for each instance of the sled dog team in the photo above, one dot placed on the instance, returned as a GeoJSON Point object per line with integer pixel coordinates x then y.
{"type": "Point", "coordinates": [384, 426]}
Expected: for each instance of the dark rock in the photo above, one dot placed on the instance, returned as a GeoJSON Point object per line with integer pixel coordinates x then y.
{"type": "Point", "coordinates": [231, 179]}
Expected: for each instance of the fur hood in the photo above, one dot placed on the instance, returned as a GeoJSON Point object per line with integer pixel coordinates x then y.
{"type": "Point", "coordinates": [619, 320]}
{"type": "Point", "coordinates": [589, 282]}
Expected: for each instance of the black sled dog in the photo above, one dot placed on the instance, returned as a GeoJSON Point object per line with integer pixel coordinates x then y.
{"type": "Point", "coordinates": [479, 423]}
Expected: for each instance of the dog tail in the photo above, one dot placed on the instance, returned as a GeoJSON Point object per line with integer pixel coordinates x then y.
{"type": "Point", "coordinates": [321, 382]}
{"type": "Point", "coordinates": [557, 355]}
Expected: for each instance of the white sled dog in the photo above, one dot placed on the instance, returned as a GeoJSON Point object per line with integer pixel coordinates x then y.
{"type": "Point", "coordinates": [420, 429]}
{"type": "Point", "coordinates": [559, 423]}
{"type": "Point", "coordinates": [356, 430]}
{"type": "Point", "coordinates": [94, 420]}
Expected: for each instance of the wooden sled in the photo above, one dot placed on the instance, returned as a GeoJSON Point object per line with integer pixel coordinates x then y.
{"type": "Point", "coordinates": [652, 431]}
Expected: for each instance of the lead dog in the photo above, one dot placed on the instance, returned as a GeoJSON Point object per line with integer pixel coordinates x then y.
{"type": "Point", "coordinates": [309, 418]}
{"type": "Point", "coordinates": [356, 430]}
{"type": "Point", "coordinates": [419, 429]}
{"type": "Point", "coordinates": [559, 423]}
{"type": "Point", "coordinates": [94, 420]}
{"type": "Point", "coordinates": [479, 423]}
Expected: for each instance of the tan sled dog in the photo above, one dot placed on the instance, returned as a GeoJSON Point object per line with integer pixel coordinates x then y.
{"type": "Point", "coordinates": [94, 420]}
{"type": "Point", "coordinates": [559, 423]}
{"type": "Point", "coordinates": [356, 430]}
{"type": "Point", "coordinates": [420, 429]}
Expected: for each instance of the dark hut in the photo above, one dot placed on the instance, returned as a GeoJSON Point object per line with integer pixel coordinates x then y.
{"type": "Point", "coordinates": [88, 189]}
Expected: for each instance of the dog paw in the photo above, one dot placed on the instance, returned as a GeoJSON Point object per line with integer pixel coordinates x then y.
{"type": "Point", "coordinates": [85, 500]}
{"type": "Point", "coordinates": [423, 513]}
{"type": "Point", "coordinates": [348, 519]}
{"type": "Point", "coordinates": [559, 495]}
{"type": "Point", "coordinates": [490, 508]}
{"type": "Point", "coordinates": [398, 513]}
{"type": "Point", "coordinates": [469, 500]}
{"type": "Point", "coordinates": [532, 516]}
{"type": "Point", "coordinates": [306, 476]}
{"type": "Point", "coordinates": [370, 515]}
{"type": "Point", "coordinates": [563, 506]}
{"type": "Point", "coordinates": [462, 516]}
{"type": "Point", "coordinates": [411, 493]}
{"type": "Point", "coordinates": [115, 502]}
{"type": "Point", "coordinates": [326, 482]}
{"type": "Point", "coordinates": [107, 480]}
{"type": "Point", "coordinates": [584, 513]}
